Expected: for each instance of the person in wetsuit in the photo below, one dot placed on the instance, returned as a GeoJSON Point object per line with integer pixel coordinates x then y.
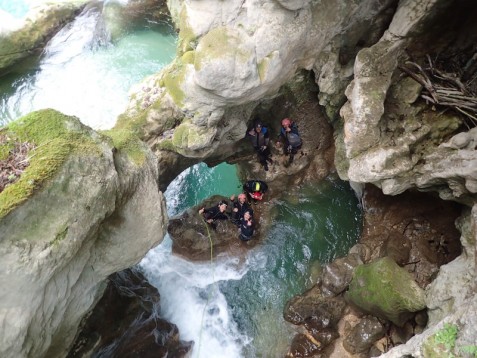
{"type": "Point", "coordinates": [289, 138]}
{"type": "Point", "coordinates": [260, 137]}
{"type": "Point", "coordinates": [246, 227]}
{"type": "Point", "coordinates": [255, 189]}
{"type": "Point", "coordinates": [211, 215]}
{"type": "Point", "coordinates": [240, 207]}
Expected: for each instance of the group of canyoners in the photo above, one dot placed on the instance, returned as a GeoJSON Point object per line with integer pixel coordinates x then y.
{"type": "Point", "coordinates": [253, 190]}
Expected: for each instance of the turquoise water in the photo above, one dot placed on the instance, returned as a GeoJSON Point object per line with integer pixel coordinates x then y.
{"type": "Point", "coordinates": [200, 182]}
{"type": "Point", "coordinates": [311, 227]}
{"type": "Point", "coordinates": [17, 8]}
{"type": "Point", "coordinates": [80, 75]}
{"type": "Point", "coordinates": [233, 307]}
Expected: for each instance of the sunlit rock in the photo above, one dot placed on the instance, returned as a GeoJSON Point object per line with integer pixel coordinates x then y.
{"type": "Point", "coordinates": [80, 211]}
{"type": "Point", "coordinates": [232, 55]}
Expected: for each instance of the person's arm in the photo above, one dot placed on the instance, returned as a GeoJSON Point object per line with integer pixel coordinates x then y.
{"type": "Point", "coordinates": [294, 129]}
{"type": "Point", "coordinates": [247, 227]}
{"type": "Point", "coordinates": [264, 186]}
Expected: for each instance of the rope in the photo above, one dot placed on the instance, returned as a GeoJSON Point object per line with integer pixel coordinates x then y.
{"type": "Point", "coordinates": [209, 292]}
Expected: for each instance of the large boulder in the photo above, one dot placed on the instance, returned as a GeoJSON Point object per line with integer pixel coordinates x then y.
{"type": "Point", "coordinates": [86, 206]}
{"type": "Point", "coordinates": [195, 240]}
{"type": "Point", "coordinates": [384, 289]}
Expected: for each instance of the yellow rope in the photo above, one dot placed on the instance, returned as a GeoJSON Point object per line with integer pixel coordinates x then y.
{"type": "Point", "coordinates": [213, 280]}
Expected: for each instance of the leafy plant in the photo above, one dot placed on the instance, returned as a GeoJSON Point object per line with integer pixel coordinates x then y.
{"type": "Point", "coordinates": [472, 350]}
{"type": "Point", "coordinates": [447, 336]}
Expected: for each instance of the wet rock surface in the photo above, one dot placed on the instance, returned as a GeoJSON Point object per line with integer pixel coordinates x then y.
{"type": "Point", "coordinates": [363, 335]}
{"type": "Point", "coordinates": [195, 240]}
{"type": "Point", "coordinates": [125, 323]}
{"type": "Point", "coordinates": [404, 229]}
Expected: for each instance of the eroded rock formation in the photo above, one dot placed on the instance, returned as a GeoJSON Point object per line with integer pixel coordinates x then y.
{"type": "Point", "coordinates": [83, 202]}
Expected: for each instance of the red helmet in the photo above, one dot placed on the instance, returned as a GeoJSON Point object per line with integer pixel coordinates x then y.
{"type": "Point", "coordinates": [242, 196]}
{"type": "Point", "coordinates": [286, 122]}
{"type": "Point", "coordinates": [257, 195]}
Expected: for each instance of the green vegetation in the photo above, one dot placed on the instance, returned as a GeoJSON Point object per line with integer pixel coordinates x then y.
{"type": "Point", "coordinates": [55, 137]}
{"type": "Point", "coordinates": [447, 336]}
{"type": "Point", "coordinates": [442, 344]}
{"type": "Point", "coordinates": [128, 142]}
{"type": "Point", "coordinates": [173, 77]}
{"type": "Point", "coordinates": [470, 350]}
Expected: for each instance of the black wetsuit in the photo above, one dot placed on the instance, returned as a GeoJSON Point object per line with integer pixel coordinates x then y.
{"type": "Point", "coordinates": [242, 208]}
{"type": "Point", "coordinates": [246, 231]}
{"type": "Point", "coordinates": [215, 214]}
{"type": "Point", "coordinates": [260, 143]}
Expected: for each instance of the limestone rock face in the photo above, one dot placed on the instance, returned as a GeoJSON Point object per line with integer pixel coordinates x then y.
{"type": "Point", "coordinates": [97, 213]}
{"type": "Point", "coordinates": [19, 38]}
{"type": "Point", "coordinates": [390, 138]}
{"type": "Point", "coordinates": [235, 53]}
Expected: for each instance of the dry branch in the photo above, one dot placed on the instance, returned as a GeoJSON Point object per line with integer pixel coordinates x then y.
{"type": "Point", "coordinates": [444, 89]}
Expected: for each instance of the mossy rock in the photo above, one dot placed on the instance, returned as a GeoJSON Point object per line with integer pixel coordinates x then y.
{"type": "Point", "coordinates": [187, 136]}
{"type": "Point", "coordinates": [385, 290]}
{"type": "Point", "coordinates": [55, 136]}
{"type": "Point", "coordinates": [128, 142]}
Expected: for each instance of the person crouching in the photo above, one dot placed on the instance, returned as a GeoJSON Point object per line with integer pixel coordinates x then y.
{"type": "Point", "coordinates": [211, 215]}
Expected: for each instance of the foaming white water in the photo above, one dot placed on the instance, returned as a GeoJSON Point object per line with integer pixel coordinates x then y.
{"type": "Point", "coordinates": [84, 75]}
{"type": "Point", "coordinates": [191, 299]}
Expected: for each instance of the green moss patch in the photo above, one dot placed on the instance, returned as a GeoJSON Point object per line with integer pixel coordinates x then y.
{"type": "Point", "coordinates": [55, 136]}
{"type": "Point", "coordinates": [173, 79]}
{"type": "Point", "coordinates": [187, 37]}
{"type": "Point", "coordinates": [128, 142]}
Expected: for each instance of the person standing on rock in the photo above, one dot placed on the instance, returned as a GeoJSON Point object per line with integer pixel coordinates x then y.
{"type": "Point", "coordinates": [260, 138]}
{"type": "Point", "coordinates": [289, 138]}
{"type": "Point", "coordinates": [246, 227]}
{"type": "Point", "coordinates": [240, 207]}
{"type": "Point", "coordinates": [211, 215]}
{"type": "Point", "coordinates": [255, 189]}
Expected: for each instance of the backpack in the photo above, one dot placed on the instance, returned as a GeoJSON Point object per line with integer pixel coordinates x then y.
{"type": "Point", "coordinates": [293, 139]}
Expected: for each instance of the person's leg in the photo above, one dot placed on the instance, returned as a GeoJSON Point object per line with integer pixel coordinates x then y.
{"type": "Point", "coordinates": [293, 151]}
{"type": "Point", "coordinates": [262, 158]}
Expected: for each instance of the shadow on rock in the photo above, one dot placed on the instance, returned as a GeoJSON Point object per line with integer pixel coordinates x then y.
{"type": "Point", "coordinates": [124, 323]}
